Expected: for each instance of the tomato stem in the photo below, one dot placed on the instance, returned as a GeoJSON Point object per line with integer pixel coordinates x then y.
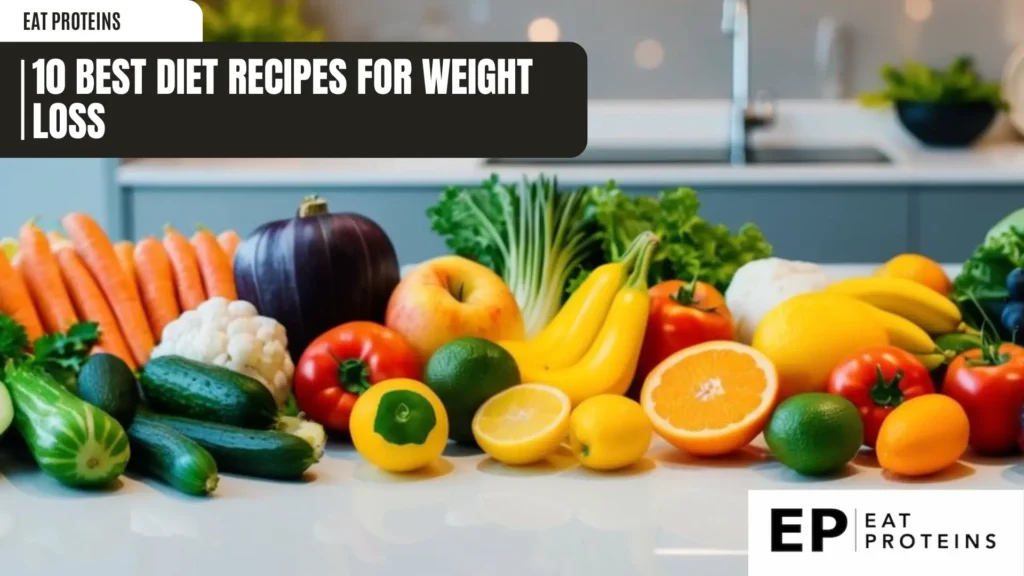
{"type": "Point", "coordinates": [990, 354]}
{"type": "Point", "coordinates": [685, 296]}
{"type": "Point", "coordinates": [887, 392]}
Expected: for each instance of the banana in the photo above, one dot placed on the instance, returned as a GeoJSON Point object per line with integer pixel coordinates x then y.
{"type": "Point", "coordinates": [919, 304]}
{"type": "Point", "coordinates": [904, 334]}
{"type": "Point", "coordinates": [931, 361]}
{"type": "Point", "coordinates": [573, 329]}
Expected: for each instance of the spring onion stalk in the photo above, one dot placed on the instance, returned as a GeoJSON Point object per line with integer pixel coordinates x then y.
{"type": "Point", "coordinates": [544, 238]}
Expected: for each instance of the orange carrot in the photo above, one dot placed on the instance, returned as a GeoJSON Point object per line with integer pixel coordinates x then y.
{"type": "Point", "coordinates": [43, 278]}
{"type": "Point", "coordinates": [91, 305]}
{"type": "Point", "coordinates": [125, 255]}
{"type": "Point", "coordinates": [214, 265]}
{"type": "Point", "coordinates": [96, 251]}
{"type": "Point", "coordinates": [156, 284]}
{"type": "Point", "coordinates": [15, 300]}
{"type": "Point", "coordinates": [229, 241]}
{"type": "Point", "coordinates": [188, 280]}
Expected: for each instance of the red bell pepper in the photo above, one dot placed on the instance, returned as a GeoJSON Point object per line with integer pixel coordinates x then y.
{"type": "Point", "coordinates": [876, 381]}
{"type": "Point", "coordinates": [344, 362]}
{"type": "Point", "coordinates": [989, 383]}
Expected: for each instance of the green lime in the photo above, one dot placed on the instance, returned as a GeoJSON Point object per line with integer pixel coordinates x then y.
{"type": "Point", "coordinates": [465, 373]}
{"type": "Point", "coordinates": [815, 434]}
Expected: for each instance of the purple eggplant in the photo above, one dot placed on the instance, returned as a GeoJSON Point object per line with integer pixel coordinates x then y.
{"type": "Point", "coordinates": [316, 271]}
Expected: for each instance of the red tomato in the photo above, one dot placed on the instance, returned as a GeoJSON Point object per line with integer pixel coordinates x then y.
{"type": "Point", "coordinates": [989, 384]}
{"type": "Point", "coordinates": [877, 380]}
{"type": "Point", "coordinates": [682, 314]}
{"type": "Point", "coordinates": [343, 363]}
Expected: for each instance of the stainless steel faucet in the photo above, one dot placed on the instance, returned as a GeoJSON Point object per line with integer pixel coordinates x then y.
{"type": "Point", "coordinates": [742, 116]}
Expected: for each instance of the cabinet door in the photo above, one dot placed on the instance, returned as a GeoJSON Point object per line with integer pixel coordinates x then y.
{"type": "Point", "coordinates": [819, 224]}
{"type": "Point", "coordinates": [952, 221]}
{"type": "Point", "coordinates": [401, 212]}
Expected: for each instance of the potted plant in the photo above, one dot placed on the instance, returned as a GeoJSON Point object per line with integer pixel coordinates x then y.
{"type": "Point", "coordinates": [949, 108]}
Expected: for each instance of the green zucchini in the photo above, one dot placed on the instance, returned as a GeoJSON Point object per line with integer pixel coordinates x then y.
{"type": "Point", "coordinates": [107, 383]}
{"type": "Point", "coordinates": [6, 409]}
{"type": "Point", "coordinates": [73, 441]}
{"type": "Point", "coordinates": [161, 452]}
{"type": "Point", "coordinates": [260, 453]}
{"type": "Point", "coordinates": [183, 387]}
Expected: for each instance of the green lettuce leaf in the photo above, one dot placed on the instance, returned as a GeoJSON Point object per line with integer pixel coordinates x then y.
{"type": "Point", "coordinates": [689, 246]}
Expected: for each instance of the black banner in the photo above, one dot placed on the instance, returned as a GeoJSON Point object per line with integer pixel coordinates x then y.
{"type": "Point", "coordinates": [359, 100]}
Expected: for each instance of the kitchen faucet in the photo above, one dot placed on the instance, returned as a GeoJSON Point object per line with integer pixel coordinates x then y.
{"type": "Point", "coordinates": [742, 117]}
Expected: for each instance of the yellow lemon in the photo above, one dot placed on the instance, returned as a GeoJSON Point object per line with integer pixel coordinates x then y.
{"type": "Point", "coordinates": [522, 425]}
{"type": "Point", "coordinates": [608, 432]}
{"type": "Point", "coordinates": [399, 425]}
{"type": "Point", "coordinates": [807, 335]}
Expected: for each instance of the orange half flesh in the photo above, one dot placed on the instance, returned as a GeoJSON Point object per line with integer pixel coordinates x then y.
{"type": "Point", "coordinates": [711, 399]}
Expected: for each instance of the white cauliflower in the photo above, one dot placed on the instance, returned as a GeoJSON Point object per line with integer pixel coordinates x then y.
{"type": "Point", "coordinates": [759, 286]}
{"type": "Point", "coordinates": [235, 336]}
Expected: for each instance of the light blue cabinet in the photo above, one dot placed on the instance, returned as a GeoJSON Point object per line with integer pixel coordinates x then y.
{"type": "Point", "coordinates": [821, 224]}
{"type": "Point", "coordinates": [952, 221]}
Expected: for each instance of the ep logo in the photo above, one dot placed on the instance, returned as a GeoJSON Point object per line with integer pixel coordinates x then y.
{"type": "Point", "coordinates": [787, 528]}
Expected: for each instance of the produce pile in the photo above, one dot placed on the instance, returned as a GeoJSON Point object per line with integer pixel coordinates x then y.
{"type": "Point", "coordinates": [586, 318]}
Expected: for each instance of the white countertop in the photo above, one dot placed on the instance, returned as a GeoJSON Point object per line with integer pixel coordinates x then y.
{"type": "Point", "coordinates": [672, 514]}
{"type": "Point", "coordinates": [468, 515]}
{"type": "Point", "coordinates": [997, 160]}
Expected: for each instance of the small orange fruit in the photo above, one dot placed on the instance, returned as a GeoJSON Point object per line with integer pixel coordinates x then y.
{"type": "Point", "coordinates": [917, 268]}
{"type": "Point", "coordinates": [712, 398]}
{"type": "Point", "coordinates": [924, 435]}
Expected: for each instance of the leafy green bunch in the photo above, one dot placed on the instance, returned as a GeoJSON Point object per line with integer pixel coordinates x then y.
{"type": "Point", "coordinates": [959, 83]}
{"type": "Point", "coordinates": [59, 354]}
{"type": "Point", "coordinates": [256, 21]}
{"type": "Point", "coordinates": [980, 288]}
{"type": "Point", "coordinates": [688, 245]}
{"type": "Point", "coordinates": [544, 241]}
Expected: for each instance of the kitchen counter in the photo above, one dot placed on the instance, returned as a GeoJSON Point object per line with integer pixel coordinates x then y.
{"type": "Point", "coordinates": [997, 160]}
{"type": "Point", "coordinates": [670, 514]}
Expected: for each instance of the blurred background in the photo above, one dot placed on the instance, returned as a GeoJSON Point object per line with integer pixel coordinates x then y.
{"type": "Point", "coordinates": [676, 49]}
{"type": "Point", "coordinates": [928, 166]}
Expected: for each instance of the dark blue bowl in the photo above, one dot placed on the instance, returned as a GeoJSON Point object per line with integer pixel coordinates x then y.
{"type": "Point", "coordinates": [946, 125]}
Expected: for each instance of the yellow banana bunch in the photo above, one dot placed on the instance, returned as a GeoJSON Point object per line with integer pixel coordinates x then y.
{"type": "Point", "coordinates": [905, 334]}
{"type": "Point", "coordinates": [571, 332]}
{"type": "Point", "coordinates": [909, 312]}
{"type": "Point", "coordinates": [933, 312]}
{"type": "Point", "coordinates": [609, 362]}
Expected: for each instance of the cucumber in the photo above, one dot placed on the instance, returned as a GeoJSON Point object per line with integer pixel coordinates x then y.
{"type": "Point", "coordinates": [6, 409]}
{"type": "Point", "coordinates": [161, 452]}
{"type": "Point", "coordinates": [107, 383]}
{"type": "Point", "coordinates": [183, 387]}
{"type": "Point", "coordinates": [73, 441]}
{"type": "Point", "coordinates": [261, 453]}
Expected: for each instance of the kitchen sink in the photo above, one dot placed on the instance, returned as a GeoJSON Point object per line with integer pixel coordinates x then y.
{"type": "Point", "coordinates": [708, 155]}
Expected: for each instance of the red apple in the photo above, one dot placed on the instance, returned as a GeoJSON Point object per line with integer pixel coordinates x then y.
{"type": "Point", "coordinates": [452, 297]}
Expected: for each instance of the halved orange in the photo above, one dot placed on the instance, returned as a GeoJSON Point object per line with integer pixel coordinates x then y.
{"type": "Point", "coordinates": [712, 398]}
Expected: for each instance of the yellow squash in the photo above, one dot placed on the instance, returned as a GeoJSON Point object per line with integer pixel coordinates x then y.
{"type": "Point", "coordinates": [610, 362]}
{"type": "Point", "coordinates": [571, 332]}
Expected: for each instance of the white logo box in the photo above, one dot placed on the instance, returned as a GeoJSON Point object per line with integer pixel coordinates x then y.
{"type": "Point", "coordinates": [902, 532]}
{"type": "Point", "coordinates": [139, 20]}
